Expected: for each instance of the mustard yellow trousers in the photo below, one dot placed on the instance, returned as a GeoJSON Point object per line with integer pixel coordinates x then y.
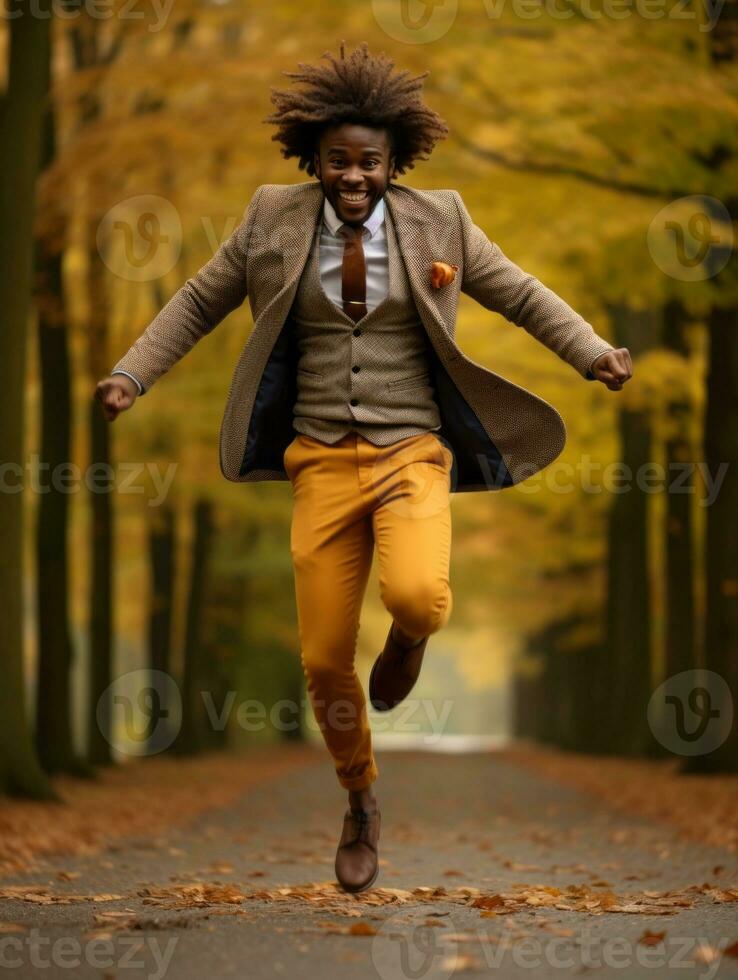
{"type": "Point", "coordinates": [347, 497]}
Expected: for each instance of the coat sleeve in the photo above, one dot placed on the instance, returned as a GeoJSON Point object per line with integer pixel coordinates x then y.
{"type": "Point", "coordinates": [499, 285]}
{"type": "Point", "coordinates": [195, 309]}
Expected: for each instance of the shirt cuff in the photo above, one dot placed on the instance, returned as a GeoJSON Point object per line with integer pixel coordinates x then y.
{"type": "Point", "coordinates": [589, 375]}
{"type": "Point", "coordinates": [133, 378]}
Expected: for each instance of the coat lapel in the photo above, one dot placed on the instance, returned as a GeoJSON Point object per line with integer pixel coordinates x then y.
{"type": "Point", "coordinates": [299, 223]}
{"type": "Point", "coordinates": [421, 243]}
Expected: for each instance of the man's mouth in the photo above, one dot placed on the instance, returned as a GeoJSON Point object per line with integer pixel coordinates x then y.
{"type": "Point", "coordinates": [353, 197]}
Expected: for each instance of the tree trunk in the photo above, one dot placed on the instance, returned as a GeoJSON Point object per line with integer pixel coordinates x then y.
{"type": "Point", "coordinates": [721, 559]}
{"type": "Point", "coordinates": [162, 540]}
{"type": "Point", "coordinates": [21, 125]}
{"type": "Point", "coordinates": [721, 447]}
{"type": "Point", "coordinates": [192, 736]}
{"type": "Point", "coordinates": [524, 696]}
{"type": "Point", "coordinates": [85, 52]}
{"type": "Point", "coordinates": [53, 690]}
{"type": "Point", "coordinates": [595, 706]}
{"type": "Point", "coordinates": [543, 716]}
{"type": "Point", "coordinates": [680, 626]}
{"type": "Point", "coordinates": [582, 661]}
{"type": "Point", "coordinates": [54, 739]}
{"type": "Point", "coordinates": [101, 595]}
{"type": "Point", "coordinates": [628, 630]}
{"type": "Point", "coordinates": [680, 606]}
{"type": "Point", "coordinates": [222, 636]}
{"type": "Point", "coordinates": [566, 686]}
{"type": "Point", "coordinates": [629, 607]}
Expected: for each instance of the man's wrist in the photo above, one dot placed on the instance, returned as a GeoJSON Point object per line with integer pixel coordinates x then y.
{"type": "Point", "coordinates": [133, 378]}
{"type": "Point", "coordinates": [590, 376]}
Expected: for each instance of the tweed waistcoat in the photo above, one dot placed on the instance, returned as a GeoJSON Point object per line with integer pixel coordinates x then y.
{"type": "Point", "coordinates": [371, 376]}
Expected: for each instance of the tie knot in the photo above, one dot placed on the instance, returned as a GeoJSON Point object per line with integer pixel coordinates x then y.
{"type": "Point", "coordinates": [351, 233]}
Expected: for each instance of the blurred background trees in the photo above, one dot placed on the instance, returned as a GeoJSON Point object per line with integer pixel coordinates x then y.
{"type": "Point", "coordinates": [130, 148]}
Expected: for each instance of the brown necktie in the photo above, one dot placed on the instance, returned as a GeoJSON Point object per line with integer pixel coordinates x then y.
{"type": "Point", "coordinates": [353, 272]}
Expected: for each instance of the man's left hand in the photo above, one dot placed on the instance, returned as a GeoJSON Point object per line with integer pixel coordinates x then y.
{"type": "Point", "coordinates": [613, 368]}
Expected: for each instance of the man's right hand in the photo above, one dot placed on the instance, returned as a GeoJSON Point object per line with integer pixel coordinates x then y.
{"type": "Point", "coordinates": [116, 393]}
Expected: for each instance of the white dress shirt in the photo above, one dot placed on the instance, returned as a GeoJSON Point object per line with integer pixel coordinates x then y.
{"type": "Point", "coordinates": [376, 259]}
{"type": "Point", "coordinates": [374, 243]}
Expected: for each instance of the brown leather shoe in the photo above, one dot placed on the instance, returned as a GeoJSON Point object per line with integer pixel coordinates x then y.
{"type": "Point", "coordinates": [357, 858]}
{"type": "Point", "coordinates": [395, 672]}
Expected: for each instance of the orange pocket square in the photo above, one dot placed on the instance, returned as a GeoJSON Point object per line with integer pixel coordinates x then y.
{"type": "Point", "coordinates": [442, 273]}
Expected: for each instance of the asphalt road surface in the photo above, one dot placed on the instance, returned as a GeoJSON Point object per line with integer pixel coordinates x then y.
{"type": "Point", "coordinates": [485, 870]}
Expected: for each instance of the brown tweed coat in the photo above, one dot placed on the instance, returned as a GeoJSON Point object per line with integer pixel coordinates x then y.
{"type": "Point", "coordinates": [498, 432]}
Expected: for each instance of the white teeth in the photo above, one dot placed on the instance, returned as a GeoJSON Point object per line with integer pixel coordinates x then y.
{"type": "Point", "coordinates": [352, 197]}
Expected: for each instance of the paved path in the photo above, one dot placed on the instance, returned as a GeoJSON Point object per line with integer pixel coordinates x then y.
{"type": "Point", "coordinates": [461, 827]}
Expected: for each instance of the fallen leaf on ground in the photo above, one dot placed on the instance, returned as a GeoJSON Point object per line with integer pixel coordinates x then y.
{"type": "Point", "coordinates": [40, 895]}
{"type": "Point", "coordinates": [706, 954]}
{"type": "Point", "coordinates": [187, 896]}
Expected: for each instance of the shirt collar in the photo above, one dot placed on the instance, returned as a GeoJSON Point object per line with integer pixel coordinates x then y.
{"type": "Point", "coordinates": [372, 224]}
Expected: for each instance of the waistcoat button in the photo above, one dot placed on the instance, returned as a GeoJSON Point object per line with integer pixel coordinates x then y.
{"type": "Point", "coordinates": [354, 401]}
{"type": "Point", "coordinates": [357, 332]}
{"type": "Point", "coordinates": [355, 368]}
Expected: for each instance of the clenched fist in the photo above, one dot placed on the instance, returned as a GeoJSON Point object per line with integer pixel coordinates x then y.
{"type": "Point", "coordinates": [613, 368]}
{"type": "Point", "coordinates": [116, 393]}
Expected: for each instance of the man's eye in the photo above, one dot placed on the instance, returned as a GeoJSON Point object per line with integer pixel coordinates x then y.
{"type": "Point", "coordinates": [338, 162]}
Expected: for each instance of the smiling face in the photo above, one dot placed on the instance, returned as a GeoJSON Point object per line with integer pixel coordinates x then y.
{"type": "Point", "coordinates": [354, 166]}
